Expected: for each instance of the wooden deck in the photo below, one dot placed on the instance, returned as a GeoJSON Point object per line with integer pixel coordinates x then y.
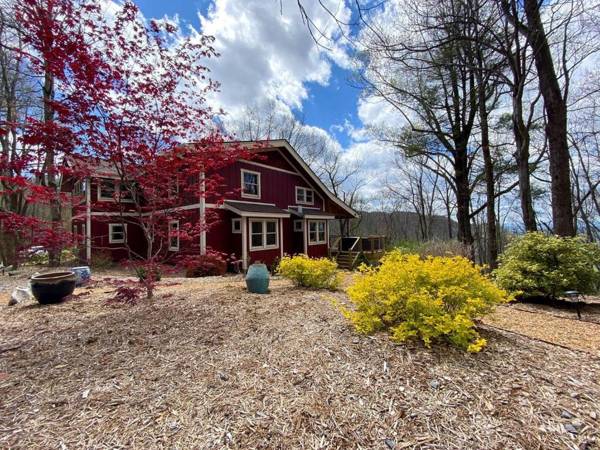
{"type": "Point", "coordinates": [351, 251]}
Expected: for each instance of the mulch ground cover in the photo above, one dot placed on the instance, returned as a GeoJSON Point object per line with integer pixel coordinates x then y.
{"type": "Point", "coordinates": [207, 365]}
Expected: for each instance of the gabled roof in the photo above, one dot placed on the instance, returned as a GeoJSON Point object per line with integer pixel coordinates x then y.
{"type": "Point", "coordinates": [283, 143]}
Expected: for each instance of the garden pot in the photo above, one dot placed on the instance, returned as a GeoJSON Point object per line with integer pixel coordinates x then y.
{"type": "Point", "coordinates": [82, 274]}
{"type": "Point", "coordinates": [52, 287]}
{"type": "Point", "coordinates": [257, 279]}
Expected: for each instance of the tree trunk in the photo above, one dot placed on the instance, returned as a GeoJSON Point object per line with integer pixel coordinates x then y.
{"type": "Point", "coordinates": [491, 241]}
{"type": "Point", "coordinates": [522, 140]}
{"type": "Point", "coordinates": [50, 168]}
{"type": "Point", "coordinates": [463, 196]}
{"type": "Point", "coordinates": [556, 127]}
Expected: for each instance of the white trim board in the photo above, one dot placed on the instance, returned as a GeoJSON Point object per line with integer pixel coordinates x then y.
{"type": "Point", "coordinates": [266, 166]}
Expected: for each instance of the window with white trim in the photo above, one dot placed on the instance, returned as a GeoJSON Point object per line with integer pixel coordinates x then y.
{"type": "Point", "coordinates": [264, 234]}
{"type": "Point", "coordinates": [298, 225]}
{"type": "Point", "coordinates": [106, 190]}
{"type": "Point", "coordinates": [174, 235]}
{"type": "Point", "coordinates": [125, 194]}
{"type": "Point", "coordinates": [80, 187]}
{"type": "Point", "coordinates": [317, 232]}
{"type": "Point", "coordinates": [236, 226]}
{"type": "Point", "coordinates": [250, 184]}
{"type": "Point", "coordinates": [117, 233]}
{"type": "Point", "coordinates": [305, 196]}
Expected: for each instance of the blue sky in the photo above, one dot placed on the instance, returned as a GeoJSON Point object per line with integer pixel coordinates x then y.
{"type": "Point", "coordinates": [326, 103]}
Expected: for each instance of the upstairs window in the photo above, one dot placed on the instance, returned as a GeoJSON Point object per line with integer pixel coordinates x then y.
{"type": "Point", "coordinates": [305, 196]}
{"type": "Point", "coordinates": [317, 232]}
{"type": "Point", "coordinates": [125, 194]}
{"type": "Point", "coordinates": [174, 235]}
{"type": "Point", "coordinates": [80, 187]}
{"type": "Point", "coordinates": [106, 190]}
{"type": "Point", "coordinates": [250, 184]}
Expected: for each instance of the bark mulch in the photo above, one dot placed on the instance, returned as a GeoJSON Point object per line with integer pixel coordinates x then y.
{"type": "Point", "coordinates": [548, 326]}
{"type": "Point", "coordinates": [207, 365]}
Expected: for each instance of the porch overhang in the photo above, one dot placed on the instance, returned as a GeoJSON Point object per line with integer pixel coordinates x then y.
{"type": "Point", "coordinates": [317, 215]}
{"type": "Point", "coordinates": [248, 209]}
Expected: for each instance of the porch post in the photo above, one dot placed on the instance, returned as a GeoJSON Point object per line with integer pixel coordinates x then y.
{"type": "Point", "coordinates": [281, 237]}
{"type": "Point", "coordinates": [305, 228]}
{"type": "Point", "coordinates": [202, 215]}
{"type": "Point", "coordinates": [88, 221]}
{"type": "Point", "coordinates": [244, 223]}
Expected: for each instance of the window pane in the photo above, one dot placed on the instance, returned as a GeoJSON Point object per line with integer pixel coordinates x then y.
{"type": "Point", "coordinates": [117, 228]}
{"type": "Point", "coordinates": [312, 226]}
{"type": "Point", "coordinates": [321, 236]}
{"type": "Point", "coordinates": [250, 183]}
{"type": "Point", "coordinates": [257, 240]}
{"type": "Point", "coordinates": [256, 227]}
{"type": "Point", "coordinates": [271, 227]}
{"type": "Point", "coordinates": [271, 239]}
{"type": "Point", "coordinates": [300, 195]}
{"type": "Point", "coordinates": [107, 188]}
{"type": "Point", "coordinates": [312, 236]}
{"type": "Point", "coordinates": [321, 226]}
{"type": "Point", "coordinates": [309, 196]}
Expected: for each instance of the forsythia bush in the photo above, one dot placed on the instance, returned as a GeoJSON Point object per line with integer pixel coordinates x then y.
{"type": "Point", "coordinates": [318, 273]}
{"type": "Point", "coordinates": [432, 298]}
{"type": "Point", "coordinates": [536, 264]}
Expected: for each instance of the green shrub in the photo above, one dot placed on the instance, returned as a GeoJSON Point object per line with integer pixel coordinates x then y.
{"type": "Point", "coordinates": [102, 259]}
{"type": "Point", "coordinates": [142, 273]}
{"type": "Point", "coordinates": [431, 299]}
{"type": "Point", "coordinates": [536, 264]}
{"type": "Point", "coordinates": [320, 273]}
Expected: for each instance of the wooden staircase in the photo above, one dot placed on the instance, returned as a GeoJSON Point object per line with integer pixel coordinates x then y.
{"type": "Point", "coordinates": [345, 260]}
{"type": "Point", "coordinates": [350, 251]}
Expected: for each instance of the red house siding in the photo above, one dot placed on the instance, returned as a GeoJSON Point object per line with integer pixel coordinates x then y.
{"type": "Point", "coordinates": [276, 187]}
{"type": "Point", "coordinates": [280, 174]}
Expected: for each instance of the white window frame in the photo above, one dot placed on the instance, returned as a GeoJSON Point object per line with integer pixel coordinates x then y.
{"type": "Point", "coordinates": [111, 240]}
{"type": "Point", "coordinates": [258, 181]}
{"type": "Point", "coordinates": [173, 248]}
{"type": "Point", "coordinates": [117, 190]}
{"type": "Point", "coordinates": [304, 190]}
{"type": "Point", "coordinates": [298, 225]}
{"type": "Point", "coordinates": [80, 187]}
{"type": "Point", "coordinates": [264, 245]}
{"type": "Point", "coordinates": [236, 229]}
{"type": "Point", "coordinates": [101, 197]}
{"type": "Point", "coordinates": [317, 241]}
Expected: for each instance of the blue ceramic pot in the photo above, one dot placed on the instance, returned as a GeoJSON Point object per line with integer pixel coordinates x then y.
{"type": "Point", "coordinates": [257, 279]}
{"type": "Point", "coordinates": [52, 287]}
{"type": "Point", "coordinates": [83, 275]}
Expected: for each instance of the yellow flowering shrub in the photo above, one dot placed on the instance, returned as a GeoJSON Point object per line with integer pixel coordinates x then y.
{"type": "Point", "coordinates": [320, 273]}
{"type": "Point", "coordinates": [431, 299]}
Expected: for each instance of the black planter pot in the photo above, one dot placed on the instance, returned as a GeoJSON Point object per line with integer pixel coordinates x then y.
{"type": "Point", "coordinates": [52, 287]}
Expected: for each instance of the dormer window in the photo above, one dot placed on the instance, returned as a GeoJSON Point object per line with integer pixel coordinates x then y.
{"type": "Point", "coordinates": [250, 184]}
{"type": "Point", "coordinates": [305, 196]}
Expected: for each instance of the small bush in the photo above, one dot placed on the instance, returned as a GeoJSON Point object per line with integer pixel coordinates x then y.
{"type": "Point", "coordinates": [126, 295]}
{"type": "Point", "coordinates": [536, 264]}
{"type": "Point", "coordinates": [211, 264]}
{"type": "Point", "coordinates": [142, 273]}
{"type": "Point", "coordinates": [320, 273]}
{"type": "Point", "coordinates": [433, 298]}
{"type": "Point", "coordinates": [102, 260]}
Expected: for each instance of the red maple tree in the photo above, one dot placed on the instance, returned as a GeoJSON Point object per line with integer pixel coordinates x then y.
{"type": "Point", "coordinates": [132, 99]}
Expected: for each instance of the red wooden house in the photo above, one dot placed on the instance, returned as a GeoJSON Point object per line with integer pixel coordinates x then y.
{"type": "Point", "coordinates": [276, 205]}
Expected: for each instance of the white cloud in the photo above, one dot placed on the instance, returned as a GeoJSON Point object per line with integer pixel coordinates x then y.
{"type": "Point", "coordinates": [267, 52]}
